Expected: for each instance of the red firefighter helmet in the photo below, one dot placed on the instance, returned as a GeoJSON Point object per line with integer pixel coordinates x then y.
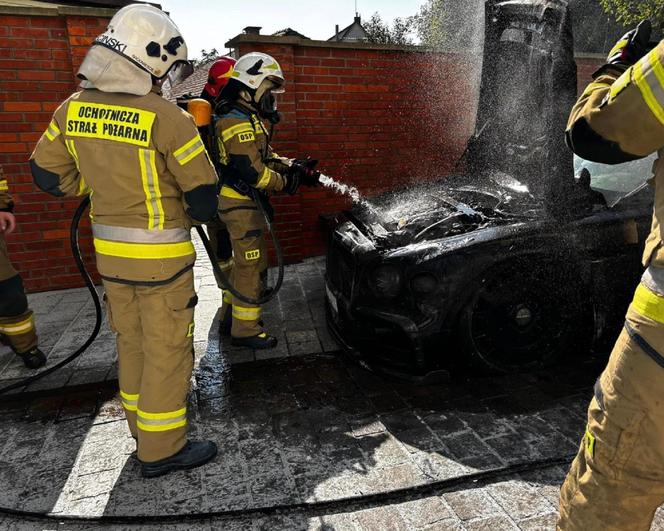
{"type": "Point", "coordinates": [220, 72]}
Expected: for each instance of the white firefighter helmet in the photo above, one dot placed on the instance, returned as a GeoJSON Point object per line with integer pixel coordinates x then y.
{"type": "Point", "coordinates": [147, 38]}
{"type": "Point", "coordinates": [254, 68]}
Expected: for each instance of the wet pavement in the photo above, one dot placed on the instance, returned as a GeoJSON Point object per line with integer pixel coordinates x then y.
{"type": "Point", "coordinates": [308, 439]}
{"type": "Point", "coordinates": [328, 443]}
{"type": "Point", "coordinates": [305, 431]}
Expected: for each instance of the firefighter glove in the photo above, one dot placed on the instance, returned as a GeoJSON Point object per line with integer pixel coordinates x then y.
{"type": "Point", "coordinates": [292, 182]}
{"type": "Point", "coordinates": [632, 46]}
{"type": "Point", "coordinates": [308, 174]}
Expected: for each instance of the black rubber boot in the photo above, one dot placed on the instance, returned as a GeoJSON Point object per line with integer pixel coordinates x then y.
{"type": "Point", "coordinates": [194, 454]}
{"type": "Point", "coordinates": [33, 359]}
{"type": "Point", "coordinates": [260, 342]}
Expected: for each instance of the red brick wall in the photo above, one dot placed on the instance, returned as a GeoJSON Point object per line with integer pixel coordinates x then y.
{"type": "Point", "coordinates": [39, 56]}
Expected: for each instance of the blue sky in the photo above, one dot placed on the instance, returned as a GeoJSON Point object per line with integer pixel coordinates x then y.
{"type": "Point", "coordinates": [209, 24]}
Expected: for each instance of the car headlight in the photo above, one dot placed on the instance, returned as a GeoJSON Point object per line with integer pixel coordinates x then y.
{"type": "Point", "coordinates": [385, 281]}
{"type": "Point", "coordinates": [424, 283]}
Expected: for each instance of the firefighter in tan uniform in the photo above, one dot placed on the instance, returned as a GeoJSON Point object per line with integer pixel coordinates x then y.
{"type": "Point", "coordinates": [144, 165]}
{"type": "Point", "coordinates": [252, 171]}
{"type": "Point", "coordinates": [17, 323]}
{"type": "Point", "coordinates": [616, 481]}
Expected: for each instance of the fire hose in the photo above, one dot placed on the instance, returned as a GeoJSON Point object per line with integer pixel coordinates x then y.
{"type": "Point", "coordinates": [225, 282]}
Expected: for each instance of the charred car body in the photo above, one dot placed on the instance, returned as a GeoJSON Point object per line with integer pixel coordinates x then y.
{"type": "Point", "coordinates": [513, 263]}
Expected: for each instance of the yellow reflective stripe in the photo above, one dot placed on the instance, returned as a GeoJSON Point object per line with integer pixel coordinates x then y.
{"type": "Point", "coordinates": [71, 147]}
{"type": "Point", "coordinates": [649, 77]}
{"type": "Point", "coordinates": [129, 401]}
{"type": "Point", "coordinates": [154, 427]}
{"type": "Point", "coordinates": [16, 329]}
{"type": "Point", "coordinates": [52, 131]}
{"type": "Point", "coordinates": [161, 421]}
{"type": "Point", "coordinates": [82, 187]}
{"type": "Point", "coordinates": [162, 416]}
{"type": "Point", "coordinates": [227, 297]}
{"type": "Point", "coordinates": [619, 46]}
{"type": "Point", "coordinates": [227, 191]}
{"type": "Point", "coordinates": [180, 151]}
{"type": "Point", "coordinates": [620, 84]}
{"type": "Point", "coordinates": [144, 251]}
{"type": "Point", "coordinates": [129, 396]}
{"type": "Point", "coordinates": [648, 304]}
{"type": "Point", "coordinates": [259, 124]}
{"type": "Point", "coordinates": [226, 265]}
{"type": "Point", "coordinates": [199, 149]}
{"type": "Point", "coordinates": [246, 314]}
{"type": "Point", "coordinates": [234, 130]}
{"type": "Point", "coordinates": [190, 150]}
{"type": "Point", "coordinates": [4, 187]}
{"type": "Point", "coordinates": [590, 442]}
{"type": "Point", "coordinates": [265, 178]}
{"type": "Point", "coordinates": [150, 179]}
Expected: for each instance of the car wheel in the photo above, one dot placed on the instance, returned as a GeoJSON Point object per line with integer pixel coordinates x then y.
{"type": "Point", "coordinates": [524, 316]}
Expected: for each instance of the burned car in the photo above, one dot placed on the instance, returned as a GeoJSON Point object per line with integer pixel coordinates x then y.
{"type": "Point", "coordinates": [525, 257]}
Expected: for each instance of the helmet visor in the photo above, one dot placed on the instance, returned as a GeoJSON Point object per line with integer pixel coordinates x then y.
{"type": "Point", "coordinates": [179, 72]}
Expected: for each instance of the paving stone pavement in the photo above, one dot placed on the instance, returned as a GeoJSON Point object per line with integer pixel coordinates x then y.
{"type": "Point", "coordinates": [305, 429]}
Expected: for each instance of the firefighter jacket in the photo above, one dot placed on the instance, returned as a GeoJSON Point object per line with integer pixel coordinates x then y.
{"type": "Point", "coordinates": [143, 163]}
{"type": "Point", "coordinates": [246, 155]}
{"type": "Point", "coordinates": [6, 202]}
{"type": "Point", "coordinates": [620, 117]}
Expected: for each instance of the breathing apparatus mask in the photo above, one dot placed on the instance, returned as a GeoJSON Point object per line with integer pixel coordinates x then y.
{"type": "Point", "coordinates": [265, 103]}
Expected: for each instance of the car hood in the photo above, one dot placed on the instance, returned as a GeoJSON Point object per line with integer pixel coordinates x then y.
{"type": "Point", "coordinates": [447, 208]}
{"type": "Point", "coordinates": [528, 87]}
{"type": "Point", "coordinates": [517, 164]}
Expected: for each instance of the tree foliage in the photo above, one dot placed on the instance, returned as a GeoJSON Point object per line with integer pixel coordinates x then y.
{"type": "Point", "coordinates": [631, 12]}
{"type": "Point", "coordinates": [380, 32]}
{"type": "Point", "coordinates": [454, 25]}
{"type": "Point", "coordinates": [206, 57]}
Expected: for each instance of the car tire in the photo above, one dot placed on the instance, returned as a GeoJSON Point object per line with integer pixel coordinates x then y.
{"type": "Point", "coordinates": [525, 315]}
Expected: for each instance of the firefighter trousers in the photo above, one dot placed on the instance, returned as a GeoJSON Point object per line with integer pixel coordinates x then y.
{"type": "Point", "coordinates": [17, 324]}
{"type": "Point", "coordinates": [248, 274]}
{"type": "Point", "coordinates": [616, 481]}
{"type": "Point", "coordinates": [154, 328]}
{"type": "Point", "coordinates": [220, 242]}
